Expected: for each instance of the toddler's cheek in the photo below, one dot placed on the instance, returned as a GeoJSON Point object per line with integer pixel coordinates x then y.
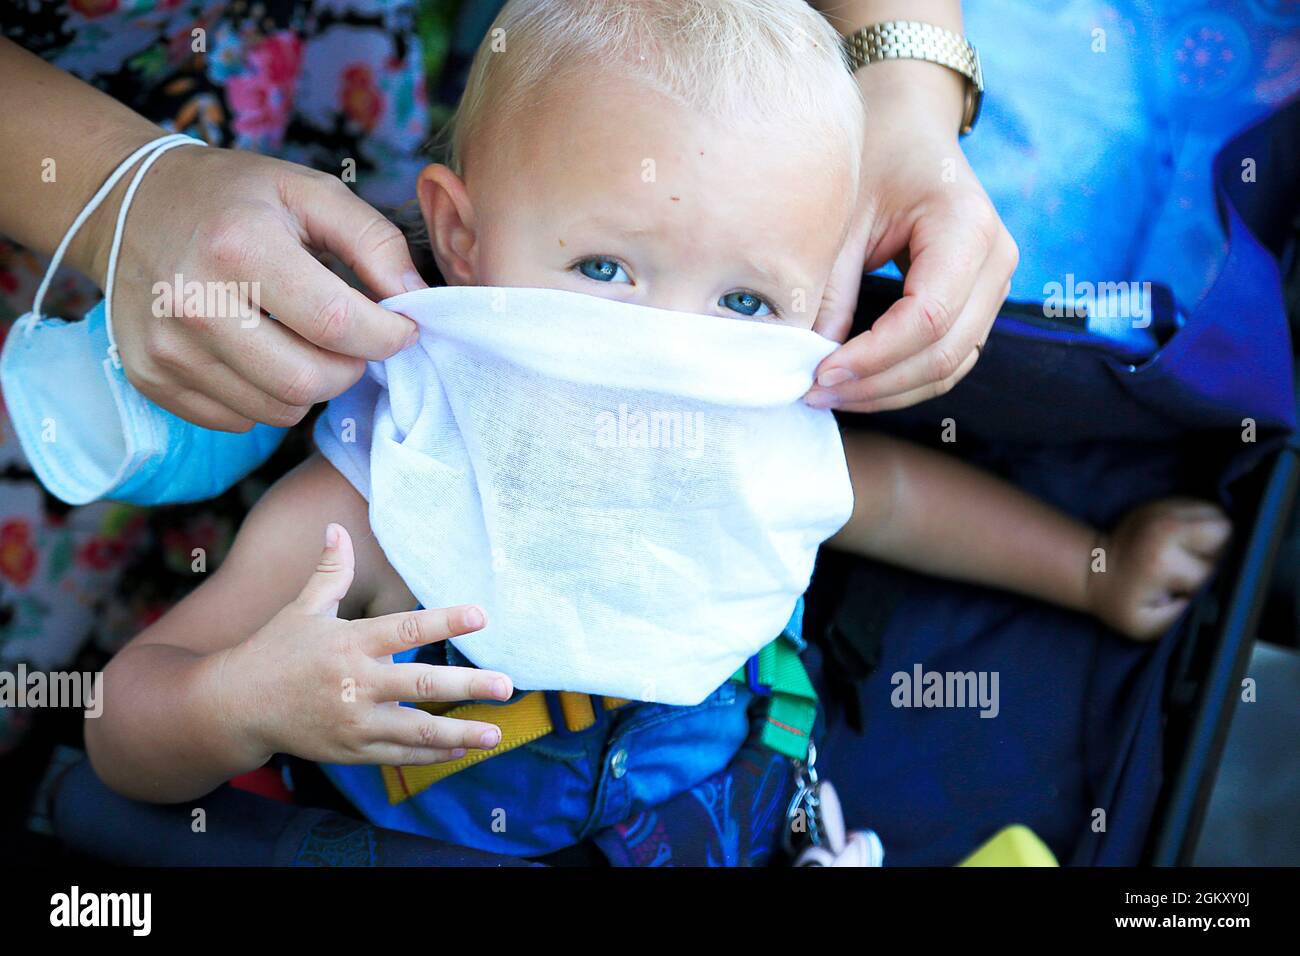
{"type": "Point", "coordinates": [803, 320]}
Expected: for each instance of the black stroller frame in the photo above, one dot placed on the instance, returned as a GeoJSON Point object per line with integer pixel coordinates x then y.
{"type": "Point", "coordinates": [1258, 591]}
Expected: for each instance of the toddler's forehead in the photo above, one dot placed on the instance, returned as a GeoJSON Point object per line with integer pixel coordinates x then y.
{"type": "Point", "coordinates": [600, 160]}
{"type": "Point", "coordinates": [594, 117]}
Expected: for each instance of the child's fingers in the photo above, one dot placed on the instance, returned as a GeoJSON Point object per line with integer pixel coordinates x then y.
{"type": "Point", "coordinates": [329, 583]}
{"type": "Point", "coordinates": [1207, 535]}
{"type": "Point", "coordinates": [1154, 621]}
{"type": "Point", "coordinates": [1194, 508]}
{"type": "Point", "coordinates": [1181, 572]}
{"type": "Point", "coordinates": [410, 727]}
{"type": "Point", "coordinates": [394, 633]}
{"type": "Point", "coordinates": [415, 682]}
{"type": "Point", "coordinates": [398, 755]}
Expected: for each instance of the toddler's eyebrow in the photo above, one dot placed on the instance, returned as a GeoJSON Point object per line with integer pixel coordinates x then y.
{"type": "Point", "coordinates": [608, 224]}
{"type": "Point", "coordinates": [772, 274]}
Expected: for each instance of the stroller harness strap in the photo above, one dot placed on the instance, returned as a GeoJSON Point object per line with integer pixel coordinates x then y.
{"type": "Point", "coordinates": [521, 721]}
{"type": "Point", "coordinates": [775, 673]}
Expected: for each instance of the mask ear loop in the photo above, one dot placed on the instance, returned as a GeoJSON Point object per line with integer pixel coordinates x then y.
{"type": "Point", "coordinates": [162, 142]}
{"type": "Point", "coordinates": [161, 147]}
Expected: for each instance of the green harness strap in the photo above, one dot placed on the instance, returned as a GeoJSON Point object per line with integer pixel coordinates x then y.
{"type": "Point", "coordinates": [792, 707]}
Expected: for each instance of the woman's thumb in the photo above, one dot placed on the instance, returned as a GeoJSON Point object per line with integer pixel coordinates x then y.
{"type": "Point", "coordinates": [329, 583]}
{"type": "Point", "coordinates": [840, 296]}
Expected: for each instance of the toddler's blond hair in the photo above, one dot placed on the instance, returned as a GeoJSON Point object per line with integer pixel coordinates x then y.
{"type": "Point", "coordinates": [771, 63]}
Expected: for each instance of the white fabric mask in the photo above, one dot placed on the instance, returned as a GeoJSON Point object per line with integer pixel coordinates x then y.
{"type": "Point", "coordinates": [635, 496]}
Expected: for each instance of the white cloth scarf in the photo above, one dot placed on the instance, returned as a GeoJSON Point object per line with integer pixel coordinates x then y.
{"type": "Point", "coordinates": [635, 496]}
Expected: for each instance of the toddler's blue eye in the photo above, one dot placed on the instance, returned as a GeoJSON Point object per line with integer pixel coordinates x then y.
{"type": "Point", "coordinates": [603, 270]}
{"type": "Point", "coordinates": [746, 303]}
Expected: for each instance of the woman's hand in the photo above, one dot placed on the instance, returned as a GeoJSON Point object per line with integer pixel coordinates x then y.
{"type": "Point", "coordinates": [919, 203]}
{"type": "Point", "coordinates": [204, 220]}
{"type": "Point", "coordinates": [327, 690]}
{"type": "Point", "coordinates": [243, 231]}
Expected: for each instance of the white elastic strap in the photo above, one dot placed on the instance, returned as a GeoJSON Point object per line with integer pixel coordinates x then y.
{"type": "Point", "coordinates": [92, 205]}
{"type": "Point", "coordinates": [161, 147]}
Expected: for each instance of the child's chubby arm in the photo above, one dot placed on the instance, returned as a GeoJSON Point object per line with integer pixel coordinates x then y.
{"type": "Point", "coordinates": [930, 512]}
{"type": "Point", "coordinates": [254, 662]}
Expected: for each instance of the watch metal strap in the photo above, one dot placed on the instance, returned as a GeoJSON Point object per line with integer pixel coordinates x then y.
{"type": "Point", "coordinates": [913, 40]}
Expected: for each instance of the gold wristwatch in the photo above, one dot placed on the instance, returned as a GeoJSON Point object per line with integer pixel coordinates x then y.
{"type": "Point", "coordinates": [911, 40]}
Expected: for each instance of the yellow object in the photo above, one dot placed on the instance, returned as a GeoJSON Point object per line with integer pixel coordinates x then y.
{"type": "Point", "coordinates": [522, 721]}
{"type": "Point", "coordinates": [1012, 846]}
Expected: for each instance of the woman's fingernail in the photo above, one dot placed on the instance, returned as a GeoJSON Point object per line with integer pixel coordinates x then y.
{"type": "Point", "coordinates": [412, 338]}
{"type": "Point", "coordinates": [474, 618]}
{"type": "Point", "coordinates": [819, 398]}
{"type": "Point", "coordinates": [834, 376]}
{"type": "Point", "coordinates": [331, 535]}
{"type": "Point", "coordinates": [458, 753]}
{"type": "Point", "coordinates": [490, 738]}
{"type": "Point", "coordinates": [411, 282]}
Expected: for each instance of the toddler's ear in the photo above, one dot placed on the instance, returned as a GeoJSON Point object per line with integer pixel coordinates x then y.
{"type": "Point", "coordinates": [449, 217]}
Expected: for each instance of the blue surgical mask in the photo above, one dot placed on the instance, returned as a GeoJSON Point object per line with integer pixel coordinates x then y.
{"type": "Point", "coordinates": [89, 433]}
{"type": "Point", "coordinates": [86, 430]}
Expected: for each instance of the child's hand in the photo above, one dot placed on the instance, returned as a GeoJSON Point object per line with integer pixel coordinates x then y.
{"type": "Point", "coordinates": [324, 689]}
{"type": "Point", "coordinates": [1156, 557]}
